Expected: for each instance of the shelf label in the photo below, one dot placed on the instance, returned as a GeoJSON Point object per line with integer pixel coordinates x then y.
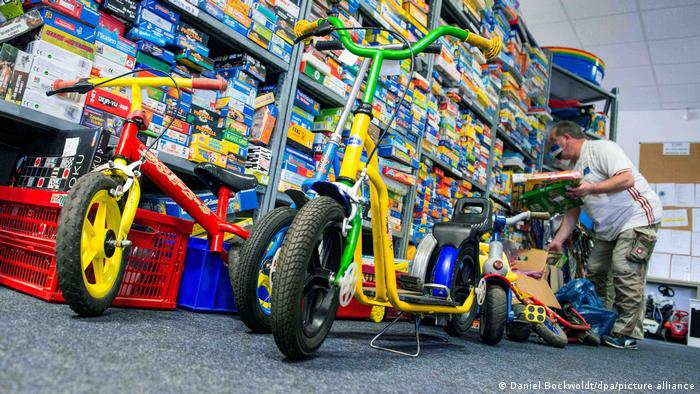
{"type": "Point", "coordinates": [187, 6]}
{"type": "Point", "coordinates": [676, 148]}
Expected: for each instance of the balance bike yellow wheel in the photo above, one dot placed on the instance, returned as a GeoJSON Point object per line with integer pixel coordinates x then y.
{"type": "Point", "coordinates": [89, 262]}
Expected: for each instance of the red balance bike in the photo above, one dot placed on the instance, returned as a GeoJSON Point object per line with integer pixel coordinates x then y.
{"type": "Point", "coordinates": [91, 239]}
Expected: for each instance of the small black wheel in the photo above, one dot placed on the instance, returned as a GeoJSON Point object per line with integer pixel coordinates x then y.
{"type": "Point", "coordinates": [589, 338]}
{"type": "Point", "coordinates": [89, 263]}
{"type": "Point", "coordinates": [304, 304]}
{"type": "Point", "coordinates": [519, 330]}
{"type": "Point", "coordinates": [551, 333]}
{"type": "Point", "coordinates": [251, 275]}
{"type": "Point", "coordinates": [494, 313]}
{"type": "Point", "coordinates": [464, 280]}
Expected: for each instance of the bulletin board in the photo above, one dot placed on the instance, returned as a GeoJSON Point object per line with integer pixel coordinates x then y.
{"type": "Point", "coordinates": [676, 169]}
{"type": "Point", "coordinates": [659, 168]}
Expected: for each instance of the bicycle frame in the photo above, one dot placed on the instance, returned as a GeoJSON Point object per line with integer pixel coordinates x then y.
{"type": "Point", "coordinates": [130, 149]}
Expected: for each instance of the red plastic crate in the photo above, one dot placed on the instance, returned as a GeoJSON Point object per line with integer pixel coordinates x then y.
{"type": "Point", "coordinates": [355, 310]}
{"type": "Point", "coordinates": [28, 221]}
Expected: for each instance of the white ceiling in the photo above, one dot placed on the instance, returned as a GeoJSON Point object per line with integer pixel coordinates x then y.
{"type": "Point", "coordinates": [651, 48]}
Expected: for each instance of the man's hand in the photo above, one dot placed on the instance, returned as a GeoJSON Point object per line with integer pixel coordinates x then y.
{"type": "Point", "coordinates": [582, 190]}
{"type": "Point", "coordinates": [554, 246]}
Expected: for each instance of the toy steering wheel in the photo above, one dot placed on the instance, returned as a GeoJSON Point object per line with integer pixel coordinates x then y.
{"type": "Point", "coordinates": [666, 291]}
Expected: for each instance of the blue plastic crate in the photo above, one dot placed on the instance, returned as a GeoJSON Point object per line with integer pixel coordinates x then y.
{"type": "Point", "coordinates": [205, 285]}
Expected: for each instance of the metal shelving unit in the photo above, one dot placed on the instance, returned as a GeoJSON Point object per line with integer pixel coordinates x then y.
{"type": "Point", "coordinates": [320, 92]}
{"type": "Point", "coordinates": [566, 85]}
{"type": "Point", "coordinates": [35, 119]}
{"type": "Point", "coordinates": [226, 39]}
{"type": "Point", "coordinates": [512, 145]}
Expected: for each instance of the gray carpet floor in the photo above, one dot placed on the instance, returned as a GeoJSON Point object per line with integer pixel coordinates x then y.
{"type": "Point", "coordinates": [46, 348]}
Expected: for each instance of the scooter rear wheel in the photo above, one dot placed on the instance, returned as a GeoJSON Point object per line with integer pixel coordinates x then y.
{"type": "Point", "coordinates": [464, 280]}
{"type": "Point", "coordinates": [304, 303]}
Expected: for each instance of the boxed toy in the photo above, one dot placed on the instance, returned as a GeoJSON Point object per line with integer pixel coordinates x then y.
{"type": "Point", "coordinates": [8, 57]}
{"type": "Point", "coordinates": [58, 160]}
{"type": "Point", "coordinates": [264, 124]}
{"type": "Point", "coordinates": [55, 106]}
{"type": "Point", "coordinates": [546, 191]}
{"type": "Point", "coordinates": [152, 12]}
{"type": "Point", "coordinates": [301, 138]}
{"type": "Point", "coordinates": [112, 24]}
{"type": "Point", "coordinates": [70, 26]}
{"type": "Point", "coordinates": [195, 60]}
{"type": "Point", "coordinates": [192, 33]}
{"type": "Point", "coordinates": [200, 155]}
{"type": "Point", "coordinates": [67, 41]}
{"type": "Point", "coordinates": [20, 76]}
{"type": "Point", "coordinates": [108, 102]}
{"type": "Point", "coordinates": [95, 118]}
{"type": "Point", "coordinates": [72, 8]}
{"type": "Point", "coordinates": [124, 9]}
{"type": "Point", "coordinates": [20, 25]}
{"type": "Point", "coordinates": [171, 148]}
{"type": "Point", "coordinates": [10, 9]}
{"type": "Point", "coordinates": [243, 61]}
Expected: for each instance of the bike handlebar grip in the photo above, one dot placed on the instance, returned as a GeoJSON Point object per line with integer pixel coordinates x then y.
{"type": "Point", "coordinates": [209, 84]}
{"type": "Point", "coordinates": [490, 48]}
{"type": "Point", "coordinates": [332, 45]}
{"type": "Point", "coordinates": [61, 84]}
{"type": "Point", "coordinates": [304, 27]}
{"type": "Point", "coordinates": [433, 48]}
{"type": "Point", "coordinates": [540, 215]}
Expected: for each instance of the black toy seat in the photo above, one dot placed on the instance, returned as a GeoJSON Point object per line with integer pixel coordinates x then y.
{"type": "Point", "coordinates": [451, 233]}
{"type": "Point", "coordinates": [470, 216]}
{"type": "Point", "coordinates": [215, 176]}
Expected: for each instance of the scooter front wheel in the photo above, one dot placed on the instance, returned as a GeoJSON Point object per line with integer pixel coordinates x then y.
{"type": "Point", "coordinates": [494, 314]}
{"type": "Point", "coordinates": [89, 263]}
{"type": "Point", "coordinates": [304, 303]}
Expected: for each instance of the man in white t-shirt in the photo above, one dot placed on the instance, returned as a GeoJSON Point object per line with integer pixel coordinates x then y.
{"type": "Point", "coordinates": [626, 213]}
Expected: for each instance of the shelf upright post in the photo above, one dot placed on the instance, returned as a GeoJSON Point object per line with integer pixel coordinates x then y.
{"type": "Point", "coordinates": [279, 135]}
{"type": "Point", "coordinates": [409, 199]}
{"type": "Point", "coordinates": [613, 114]}
{"type": "Point", "coordinates": [546, 96]}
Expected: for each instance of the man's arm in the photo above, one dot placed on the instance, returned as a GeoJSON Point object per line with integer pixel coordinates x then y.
{"type": "Point", "coordinates": [621, 181]}
{"type": "Point", "coordinates": [567, 227]}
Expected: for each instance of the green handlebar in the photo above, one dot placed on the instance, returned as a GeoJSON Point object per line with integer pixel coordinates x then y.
{"type": "Point", "coordinates": [399, 54]}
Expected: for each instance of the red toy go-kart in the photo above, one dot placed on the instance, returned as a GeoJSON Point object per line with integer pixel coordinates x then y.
{"type": "Point", "coordinates": [676, 328]}
{"type": "Point", "coordinates": [552, 320]}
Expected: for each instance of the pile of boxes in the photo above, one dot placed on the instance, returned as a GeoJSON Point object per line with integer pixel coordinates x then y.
{"type": "Point", "coordinates": [269, 24]}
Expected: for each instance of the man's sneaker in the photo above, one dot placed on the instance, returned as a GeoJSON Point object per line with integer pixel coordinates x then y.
{"type": "Point", "coordinates": [620, 342]}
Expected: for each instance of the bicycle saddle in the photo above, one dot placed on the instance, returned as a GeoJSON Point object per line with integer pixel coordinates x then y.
{"type": "Point", "coordinates": [215, 177]}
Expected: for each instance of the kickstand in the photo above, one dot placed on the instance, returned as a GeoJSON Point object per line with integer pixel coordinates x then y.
{"type": "Point", "coordinates": [386, 349]}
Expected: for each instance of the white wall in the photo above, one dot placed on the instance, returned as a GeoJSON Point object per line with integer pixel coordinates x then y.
{"type": "Point", "coordinates": [656, 126]}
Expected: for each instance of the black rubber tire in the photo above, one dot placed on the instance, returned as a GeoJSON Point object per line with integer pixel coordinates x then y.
{"type": "Point", "coordinates": [556, 339]}
{"type": "Point", "coordinates": [459, 325]}
{"type": "Point", "coordinates": [589, 338]}
{"type": "Point", "coordinates": [68, 238]}
{"type": "Point", "coordinates": [319, 218]}
{"type": "Point", "coordinates": [519, 330]}
{"type": "Point", "coordinates": [244, 272]}
{"type": "Point", "coordinates": [494, 314]}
